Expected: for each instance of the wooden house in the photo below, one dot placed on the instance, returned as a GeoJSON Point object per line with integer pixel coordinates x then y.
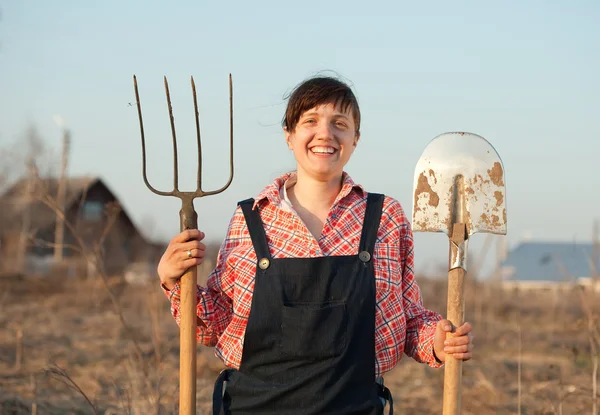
{"type": "Point", "coordinates": [551, 266]}
{"type": "Point", "coordinates": [98, 231]}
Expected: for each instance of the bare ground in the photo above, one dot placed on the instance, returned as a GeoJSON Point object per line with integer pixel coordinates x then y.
{"type": "Point", "coordinates": [77, 356]}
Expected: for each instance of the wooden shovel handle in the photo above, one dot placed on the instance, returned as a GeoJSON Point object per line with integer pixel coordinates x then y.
{"type": "Point", "coordinates": [456, 315]}
{"type": "Point", "coordinates": [187, 339]}
{"type": "Point", "coordinates": [452, 366]}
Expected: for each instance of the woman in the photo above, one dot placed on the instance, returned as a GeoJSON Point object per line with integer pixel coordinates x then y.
{"type": "Point", "coordinates": [313, 297]}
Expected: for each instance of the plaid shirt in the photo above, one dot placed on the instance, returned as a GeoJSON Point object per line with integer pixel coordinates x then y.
{"type": "Point", "coordinates": [402, 324]}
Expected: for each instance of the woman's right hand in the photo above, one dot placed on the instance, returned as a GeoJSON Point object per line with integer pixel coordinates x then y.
{"type": "Point", "coordinates": [184, 251]}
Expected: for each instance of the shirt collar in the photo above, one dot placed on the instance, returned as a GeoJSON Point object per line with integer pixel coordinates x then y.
{"type": "Point", "coordinates": [275, 192]}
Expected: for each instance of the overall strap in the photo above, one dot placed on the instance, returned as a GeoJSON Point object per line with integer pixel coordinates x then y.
{"type": "Point", "coordinates": [371, 222]}
{"type": "Point", "coordinates": [255, 228]}
{"type": "Point", "coordinates": [218, 390]}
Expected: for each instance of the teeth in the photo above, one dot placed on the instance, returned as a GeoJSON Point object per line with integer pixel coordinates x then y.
{"type": "Point", "coordinates": [323, 150]}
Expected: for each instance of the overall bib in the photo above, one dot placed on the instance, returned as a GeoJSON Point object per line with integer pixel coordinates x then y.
{"type": "Point", "coordinates": [309, 346]}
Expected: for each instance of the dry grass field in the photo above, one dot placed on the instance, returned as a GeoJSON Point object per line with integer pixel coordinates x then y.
{"type": "Point", "coordinates": [66, 347]}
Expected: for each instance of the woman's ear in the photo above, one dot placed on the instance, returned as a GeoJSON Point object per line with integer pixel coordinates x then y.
{"type": "Point", "coordinates": [356, 138]}
{"type": "Point", "coordinates": [288, 137]}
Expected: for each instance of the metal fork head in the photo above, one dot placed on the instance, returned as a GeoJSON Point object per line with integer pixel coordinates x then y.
{"type": "Point", "coordinates": [187, 213]}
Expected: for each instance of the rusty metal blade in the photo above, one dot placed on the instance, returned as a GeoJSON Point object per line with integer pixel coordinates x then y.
{"type": "Point", "coordinates": [459, 179]}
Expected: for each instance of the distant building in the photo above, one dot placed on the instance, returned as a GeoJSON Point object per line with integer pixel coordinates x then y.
{"type": "Point", "coordinates": [28, 225]}
{"type": "Point", "coordinates": [551, 265]}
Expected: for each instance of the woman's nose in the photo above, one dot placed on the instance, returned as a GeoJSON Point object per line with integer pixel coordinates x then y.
{"type": "Point", "coordinates": [325, 130]}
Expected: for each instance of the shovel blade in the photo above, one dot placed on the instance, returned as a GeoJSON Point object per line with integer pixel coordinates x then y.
{"type": "Point", "coordinates": [459, 179]}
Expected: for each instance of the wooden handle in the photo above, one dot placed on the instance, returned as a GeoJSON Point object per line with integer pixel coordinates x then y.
{"type": "Point", "coordinates": [456, 315]}
{"type": "Point", "coordinates": [187, 325]}
{"type": "Point", "coordinates": [453, 367]}
{"type": "Point", "coordinates": [187, 339]}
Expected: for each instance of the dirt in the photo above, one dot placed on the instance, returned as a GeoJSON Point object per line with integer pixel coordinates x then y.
{"type": "Point", "coordinates": [499, 197]}
{"type": "Point", "coordinates": [496, 174]}
{"type": "Point", "coordinates": [495, 220]}
{"type": "Point", "coordinates": [479, 178]}
{"type": "Point", "coordinates": [432, 175]}
{"type": "Point", "coordinates": [485, 219]}
{"type": "Point", "coordinates": [423, 187]}
{"type": "Point", "coordinates": [72, 325]}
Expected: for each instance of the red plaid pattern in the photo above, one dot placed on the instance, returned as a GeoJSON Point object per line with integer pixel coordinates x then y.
{"type": "Point", "coordinates": [403, 325]}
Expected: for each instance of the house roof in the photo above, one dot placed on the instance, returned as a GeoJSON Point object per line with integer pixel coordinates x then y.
{"type": "Point", "coordinates": [14, 201]}
{"type": "Point", "coordinates": [551, 261]}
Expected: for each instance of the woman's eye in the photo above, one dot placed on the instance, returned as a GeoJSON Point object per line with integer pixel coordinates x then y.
{"type": "Point", "coordinates": [340, 124]}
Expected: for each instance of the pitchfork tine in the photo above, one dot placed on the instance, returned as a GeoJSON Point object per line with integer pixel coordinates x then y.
{"type": "Point", "coordinates": [214, 192]}
{"type": "Point", "coordinates": [199, 174]}
{"type": "Point", "coordinates": [185, 196]}
{"type": "Point", "coordinates": [139, 107]}
{"type": "Point", "coordinates": [175, 165]}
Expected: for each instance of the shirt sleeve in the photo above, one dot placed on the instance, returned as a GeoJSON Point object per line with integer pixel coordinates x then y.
{"type": "Point", "coordinates": [420, 322]}
{"type": "Point", "coordinates": [214, 302]}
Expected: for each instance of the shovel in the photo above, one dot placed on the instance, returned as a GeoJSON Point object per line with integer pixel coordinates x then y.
{"type": "Point", "coordinates": [458, 190]}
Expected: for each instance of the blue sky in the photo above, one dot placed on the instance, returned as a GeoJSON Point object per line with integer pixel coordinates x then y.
{"type": "Point", "coordinates": [522, 74]}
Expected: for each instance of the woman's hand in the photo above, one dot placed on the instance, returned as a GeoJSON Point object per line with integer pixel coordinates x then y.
{"type": "Point", "coordinates": [458, 344]}
{"type": "Point", "coordinates": [184, 251]}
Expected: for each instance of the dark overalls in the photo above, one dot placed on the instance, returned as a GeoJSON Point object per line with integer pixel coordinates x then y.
{"type": "Point", "coordinates": [309, 346]}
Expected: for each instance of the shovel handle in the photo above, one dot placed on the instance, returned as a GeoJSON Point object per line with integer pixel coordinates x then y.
{"type": "Point", "coordinates": [456, 315]}
{"type": "Point", "coordinates": [452, 366]}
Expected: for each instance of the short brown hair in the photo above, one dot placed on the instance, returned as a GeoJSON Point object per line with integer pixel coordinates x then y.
{"type": "Point", "coordinates": [317, 91]}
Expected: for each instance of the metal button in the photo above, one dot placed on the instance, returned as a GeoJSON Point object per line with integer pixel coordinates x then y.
{"type": "Point", "coordinates": [264, 263]}
{"type": "Point", "coordinates": [364, 256]}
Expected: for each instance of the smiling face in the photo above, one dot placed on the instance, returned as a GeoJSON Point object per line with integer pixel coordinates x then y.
{"type": "Point", "coordinates": [323, 140]}
{"type": "Point", "coordinates": [322, 127]}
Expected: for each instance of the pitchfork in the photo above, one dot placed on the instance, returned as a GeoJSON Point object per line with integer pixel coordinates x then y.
{"type": "Point", "coordinates": [188, 220]}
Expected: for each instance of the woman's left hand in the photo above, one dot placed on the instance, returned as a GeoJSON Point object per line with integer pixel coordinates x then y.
{"type": "Point", "coordinates": [457, 343]}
